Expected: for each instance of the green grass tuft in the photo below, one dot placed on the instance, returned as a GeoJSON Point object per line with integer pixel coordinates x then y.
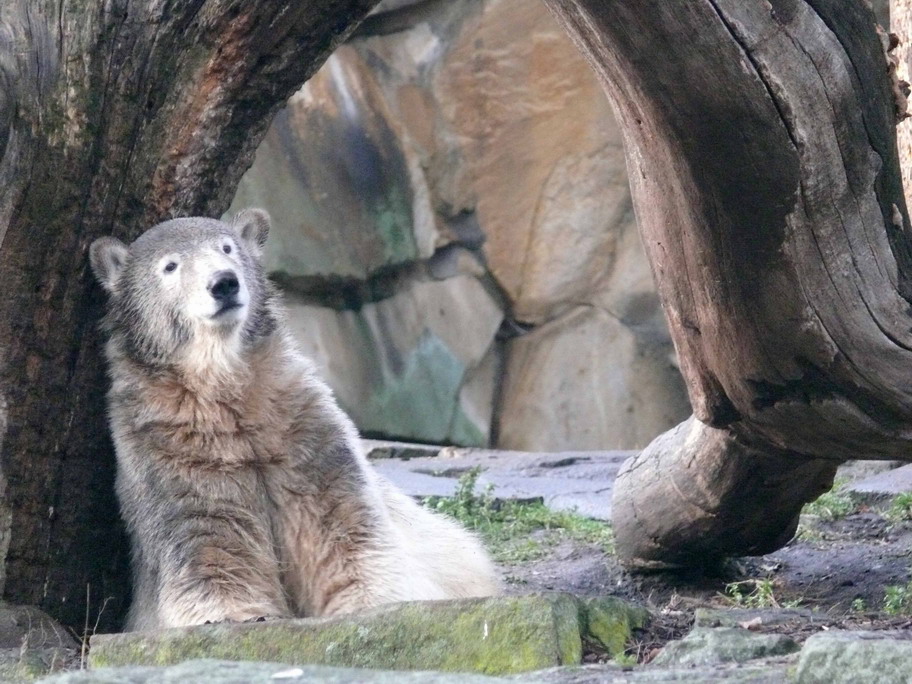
{"type": "Point", "coordinates": [900, 508]}
{"type": "Point", "coordinates": [898, 600]}
{"type": "Point", "coordinates": [832, 505]}
{"type": "Point", "coordinates": [756, 593]}
{"type": "Point", "coordinates": [506, 526]}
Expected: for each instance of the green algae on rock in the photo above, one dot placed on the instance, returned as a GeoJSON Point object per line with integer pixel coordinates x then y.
{"type": "Point", "coordinates": [495, 636]}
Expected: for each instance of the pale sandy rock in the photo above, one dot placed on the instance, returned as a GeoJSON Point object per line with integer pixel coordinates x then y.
{"type": "Point", "coordinates": [420, 365]}
{"type": "Point", "coordinates": [588, 380]}
{"type": "Point", "coordinates": [543, 151]}
{"type": "Point", "coordinates": [345, 190]}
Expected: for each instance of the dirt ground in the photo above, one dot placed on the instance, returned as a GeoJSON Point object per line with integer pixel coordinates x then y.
{"type": "Point", "coordinates": [838, 571]}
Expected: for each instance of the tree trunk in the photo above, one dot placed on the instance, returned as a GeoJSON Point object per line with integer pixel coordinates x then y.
{"type": "Point", "coordinates": [113, 116]}
{"type": "Point", "coordinates": [763, 161]}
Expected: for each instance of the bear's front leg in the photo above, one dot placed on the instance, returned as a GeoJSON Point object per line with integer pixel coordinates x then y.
{"type": "Point", "coordinates": [225, 574]}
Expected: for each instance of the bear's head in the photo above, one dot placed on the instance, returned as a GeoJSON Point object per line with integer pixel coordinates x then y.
{"type": "Point", "coordinates": [187, 291]}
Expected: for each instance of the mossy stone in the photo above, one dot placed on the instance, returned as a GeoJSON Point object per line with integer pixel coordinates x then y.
{"type": "Point", "coordinates": [495, 636]}
{"type": "Point", "coordinates": [611, 621]}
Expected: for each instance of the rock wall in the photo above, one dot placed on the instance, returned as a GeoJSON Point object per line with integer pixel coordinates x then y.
{"type": "Point", "coordinates": [455, 237]}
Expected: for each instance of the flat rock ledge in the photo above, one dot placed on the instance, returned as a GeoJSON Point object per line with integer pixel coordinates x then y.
{"type": "Point", "coordinates": [493, 636]}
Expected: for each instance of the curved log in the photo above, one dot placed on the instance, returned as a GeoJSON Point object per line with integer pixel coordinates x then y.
{"type": "Point", "coordinates": [762, 157]}
{"type": "Point", "coordinates": [113, 116]}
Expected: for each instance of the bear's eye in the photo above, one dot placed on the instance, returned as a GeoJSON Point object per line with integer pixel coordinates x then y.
{"type": "Point", "coordinates": [170, 267]}
{"type": "Point", "coordinates": [226, 249]}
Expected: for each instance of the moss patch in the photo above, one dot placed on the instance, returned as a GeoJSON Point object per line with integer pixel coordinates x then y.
{"type": "Point", "coordinates": [517, 531]}
{"type": "Point", "coordinates": [611, 622]}
{"type": "Point", "coordinates": [494, 636]}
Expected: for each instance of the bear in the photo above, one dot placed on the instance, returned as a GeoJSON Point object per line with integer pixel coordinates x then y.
{"type": "Point", "coordinates": [244, 487]}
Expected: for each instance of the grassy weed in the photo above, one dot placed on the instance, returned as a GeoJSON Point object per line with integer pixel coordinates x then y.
{"type": "Point", "coordinates": [898, 600]}
{"type": "Point", "coordinates": [900, 508]}
{"type": "Point", "coordinates": [832, 505]}
{"type": "Point", "coordinates": [755, 593]}
{"type": "Point", "coordinates": [516, 531]}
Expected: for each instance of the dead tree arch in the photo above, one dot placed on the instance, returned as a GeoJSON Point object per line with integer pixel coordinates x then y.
{"type": "Point", "coordinates": [762, 155]}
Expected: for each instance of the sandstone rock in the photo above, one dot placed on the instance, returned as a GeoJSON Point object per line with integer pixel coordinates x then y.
{"type": "Point", "coordinates": [227, 672]}
{"type": "Point", "coordinates": [543, 155]}
{"type": "Point", "coordinates": [496, 636]}
{"type": "Point", "coordinates": [838, 657]}
{"type": "Point", "coordinates": [704, 646]}
{"type": "Point", "coordinates": [405, 366]}
{"type": "Point", "coordinates": [337, 174]}
{"type": "Point", "coordinates": [588, 380]}
{"type": "Point", "coordinates": [729, 673]}
{"type": "Point", "coordinates": [473, 123]}
{"type": "Point", "coordinates": [883, 485]}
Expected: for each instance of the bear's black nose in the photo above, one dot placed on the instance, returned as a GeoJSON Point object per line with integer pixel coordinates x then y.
{"type": "Point", "coordinates": [224, 286]}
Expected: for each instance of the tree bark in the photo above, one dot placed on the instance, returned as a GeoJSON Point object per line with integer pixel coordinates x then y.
{"type": "Point", "coordinates": [113, 116]}
{"type": "Point", "coordinates": [763, 162]}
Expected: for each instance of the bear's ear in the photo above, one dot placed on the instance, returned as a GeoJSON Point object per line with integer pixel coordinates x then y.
{"type": "Point", "coordinates": [107, 256]}
{"type": "Point", "coordinates": [252, 225]}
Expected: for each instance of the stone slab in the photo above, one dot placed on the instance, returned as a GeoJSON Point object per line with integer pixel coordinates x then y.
{"type": "Point", "coordinates": [704, 646]}
{"type": "Point", "coordinates": [564, 481]}
{"type": "Point", "coordinates": [885, 484]}
{"type": "Point", "coordinates": [847, 657]}
{"type": "Point", "coordinates": [493, 636]}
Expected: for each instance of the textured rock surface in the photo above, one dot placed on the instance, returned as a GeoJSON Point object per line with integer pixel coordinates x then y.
{"type": "Point", "coordinates": [703, 646]}
{"type": "Point", "coordinates": [882, 485]}
{"type": "Point", "coordinates": [495, 636]}
{"type": "Point", "coordinates": [563, 386]}
{"type": "Point", "coordinates": [226, 672]}
{"type": "Point", "coordinates": [473, 123]}
{"type": "Point", "coordinates": [334, 173]}
{"type": "Point", "coordinates": [844, 657]}
{"type": "Point", "coordinates": [405, 365]}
